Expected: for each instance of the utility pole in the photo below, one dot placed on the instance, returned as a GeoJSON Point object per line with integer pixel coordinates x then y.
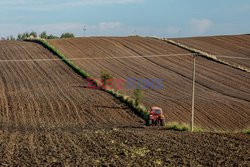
{"type": "Point", "coordinates": [134, 32]}
{"type": "Point", "coordinates": [84, 29]}
{"type": "Point", "coordinates": [179, 33]}
{"type": "Point", "coordinates": [193, 94]}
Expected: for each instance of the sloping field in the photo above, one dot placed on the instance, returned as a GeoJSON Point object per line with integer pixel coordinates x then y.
{"type": "Point", "coordinates": [49, 118]}
{"type": "Point", "coordinates": [228, 46]}
{"type": "Point", "coordinates": [222, 93]}
{"type": "Point", "coordinates": [47, 94]}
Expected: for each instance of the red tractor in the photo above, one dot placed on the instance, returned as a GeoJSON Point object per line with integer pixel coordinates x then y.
{"type": "Point", "coordinates": [155, 117]}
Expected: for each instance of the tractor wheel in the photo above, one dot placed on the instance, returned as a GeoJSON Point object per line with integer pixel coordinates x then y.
{"type": "Point", "coordinates": [156, 122]}
{"type": "Point", "coordinates": [149, 122]}
{"type": "Point", "coordinates": [162, 121]}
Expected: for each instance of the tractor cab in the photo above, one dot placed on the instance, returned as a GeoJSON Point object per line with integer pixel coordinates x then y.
{"type": "Point", "coordinates": [155, 117]}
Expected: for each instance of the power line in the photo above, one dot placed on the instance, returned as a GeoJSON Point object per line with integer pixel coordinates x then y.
{"type": "Point", "coordinates": [121, 57]}
{"type": "Point", "coordinates": [95, 58]}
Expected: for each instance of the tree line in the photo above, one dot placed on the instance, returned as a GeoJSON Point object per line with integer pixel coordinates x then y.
{"type": "Point", "coordinates": [43, 35]}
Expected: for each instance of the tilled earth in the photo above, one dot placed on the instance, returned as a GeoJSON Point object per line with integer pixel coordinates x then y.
{"type": "Point", "coordinates": [227, 46]}
{"type": "Point", "coordinates": [48, 94]}
{"type": "Point", "coordinates": [49, 118]}
{"type": "Point", "coordinates": [222, 96]}
{"type": "Point", "coordinates": [128, 146]}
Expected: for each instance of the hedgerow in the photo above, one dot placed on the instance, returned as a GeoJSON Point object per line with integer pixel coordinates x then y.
{"type": "Point", "coordinates": [139, 110]}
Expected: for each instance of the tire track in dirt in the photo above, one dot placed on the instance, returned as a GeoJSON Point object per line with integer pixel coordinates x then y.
{"type": "Point", "coordinates": [28, 85]}
{"type": "Point", "coordinates": [64, 98]}
{"type": "Point", "coordinates": [17, 69]}
{"type": "Point", "coordinates": [21, 90]}
{"type": "Point", "coordinates": [34, 88]}
{"type": "Point", "coordinates": [4, 106]}
{"type": "Point", "coordinates": [45, 96]}
{"type": "Point", "coordinates": [12, 105]}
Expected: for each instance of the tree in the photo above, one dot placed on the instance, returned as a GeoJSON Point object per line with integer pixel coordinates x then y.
{"type": "Point", "coordinates": [44, 35]}
{"type": "Point", "coordinates": [25, 35]}
{"type": "Point", "coordinates": [12, 38]}
{"type": "Point", "coordinates": [67, 35]}
{"type": "Point", "coordinates": [105, 76]}
{"type": "Point", "coordinates": [34, 34]}
{"type": "Point", "coordinates": [138, 93]}
{"type": "Point", "coordinates": [52, 37]}
{"type": "Point", "coordinates": [19, 37]}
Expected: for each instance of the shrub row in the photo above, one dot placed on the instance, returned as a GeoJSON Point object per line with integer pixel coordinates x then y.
{"type": "Point", "coordinates": [139, 110]}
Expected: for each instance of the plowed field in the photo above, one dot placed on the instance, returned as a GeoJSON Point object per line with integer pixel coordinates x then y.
{"type": "Point", "coordinates": [122, 147]}
{"type": "Point", "coordinates": [222, 92]}
{"type": "Point", "coordinates": [47, 94]}
{"type": "Point", "coordinates": [49, 118]}
{"type": "Point", "coordinates": [228, 46]}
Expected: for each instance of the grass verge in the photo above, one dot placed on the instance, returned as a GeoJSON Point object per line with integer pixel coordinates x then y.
{"type": "Point", "coordinates": [177, 126]}
{"type": "Point", "coordinates": [247, 131]}
{"type": "Point", "coordinates": [182, 127]}
{"type": "Point", "coordinates": [139, 110]}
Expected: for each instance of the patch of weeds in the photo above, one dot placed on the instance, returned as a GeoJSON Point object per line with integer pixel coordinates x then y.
{"type": "Point", "coordinates": [177, 126]}
{"type": "Point", "coordinates": [157, 162]}
{"type": "Point", "coordinates": [247, 131]}
{"type": "Point", "coordinates": [139, 151]}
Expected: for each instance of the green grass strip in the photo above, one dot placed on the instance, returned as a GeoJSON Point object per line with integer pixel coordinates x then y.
{"type": "Point", "coordinates": [247, 131]}
{"type": "Point", "coordinates": [139, 110]}
{"type": "Point", "coordinates": [183, 127]}
{"type": "Point", "coordinates": [177, 126]}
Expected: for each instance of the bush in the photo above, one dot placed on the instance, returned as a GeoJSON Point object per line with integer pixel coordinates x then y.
{"type": "Point", "coordinates": [10, 38]}
{"type": "Point", "coordinates": [67, 35]}
{"type": "Point", "coordinates": [177, 127]}
{"type": "Point", "coordinates": [138, 93]}
{"type": "Point", "coordinates": [33, 34]}
{"type": "Point", "coordinates": [52, 37]}
{"type": "Point", "coordinates": [247, 131]}
{"type": "Point", "coordinates": [105, 76]}
{"type": "Point", "coordinates": [23, 36]}
{"type": "Point", "coordinates": [44, 35]}
{"type": "Point", "coordinates": [19, 37]}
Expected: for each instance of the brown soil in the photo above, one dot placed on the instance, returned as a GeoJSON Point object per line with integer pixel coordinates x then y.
{"type": "Point", "coordinates": [48, 94]}
{"type": "Point", "coordinates": [222, 92]}
{"type": "Point", "coordinates": [233, 45]}
{"type": "Point", "coordinates": [123, 147]}
{"type": "Point", "coordinates": [49, 118]}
